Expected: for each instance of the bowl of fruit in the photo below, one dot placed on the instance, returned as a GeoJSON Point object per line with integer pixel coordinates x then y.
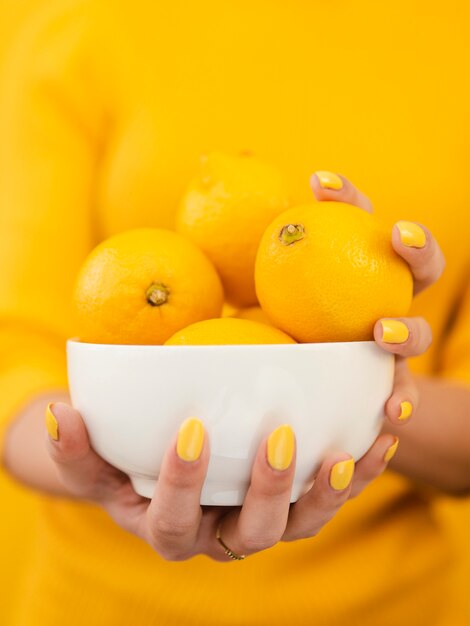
{"type": "Point", "coordinates": [156, 345]}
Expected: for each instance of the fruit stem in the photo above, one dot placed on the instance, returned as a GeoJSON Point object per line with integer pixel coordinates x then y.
{"type": "Point", "coordinates": [291, 233]}
{"type": "Point", "coordinates": [157, 294]}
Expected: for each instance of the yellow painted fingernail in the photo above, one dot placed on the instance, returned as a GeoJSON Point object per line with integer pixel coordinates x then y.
{"type": "Point", "coordinates": [341, 474]}
{"type": "Point", "coordinates": [406, 410]}
{"type": "Point", "coordinates": [394, 331]}
{"type": "Point", "coordinates": [411, 234]}
{"type": "Point", "coordinates": [391, 450]}
{"type": "Point", "coordinates": [281, 444]}
{"type": "Point", "coordinates": [190, 439]}
{"type": "Point", "coordinates": [51, 423]}
{"type": "Point", "coordinates": [329, 180]}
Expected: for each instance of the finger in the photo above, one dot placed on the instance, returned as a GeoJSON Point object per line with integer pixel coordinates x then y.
{"type": "Point", "coordinates": [374, 462]}
{"type": "Point", "coordinates": [174, 514]}
{"type": "Point", "coordinates": [329, 492]}
{"type": "Point", "coordinates": [330, 186]}
{"type": "Point", "coordinates": [263, 517]}
{"type": "Point", "coordinates": [83, 472]}
{"type": "Point", "coordinates": [416, 245]}
{"type": "Point", "coordinates": [405, 396]}
{"type": "Point", "coordinates": [405, 336]}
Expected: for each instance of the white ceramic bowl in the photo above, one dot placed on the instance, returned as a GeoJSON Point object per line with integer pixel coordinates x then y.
{"type": "Point", "coordinates": [134, 398]}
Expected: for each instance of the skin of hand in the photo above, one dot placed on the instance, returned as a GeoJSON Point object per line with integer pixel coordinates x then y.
{"type": "Point", "coordinates": [173, 522]}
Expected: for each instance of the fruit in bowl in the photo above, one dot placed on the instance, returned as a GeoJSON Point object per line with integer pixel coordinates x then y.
{"type": "Point", "coordinates": [141, 286]}
{"type": "Point", "coordinates": [327, 271]}
{"type": "Point", "coordinates": [225, 210]}
{"type": "Point", "coordinates": [151, 350]}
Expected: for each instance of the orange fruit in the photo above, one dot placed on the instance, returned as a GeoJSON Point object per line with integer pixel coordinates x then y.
{"type": "Point", "coordinates": [227, 331]}
{"type": "Point", "coordinates": [327, 271]}
{"type": "Point", "coordinates": [228, 310]}
{"type": "Point", "coordinates": [141, 286]}
{"type": "Point", "coordinates": [225, 212]}
{"type": "Point", "coordinates": [254, 313]}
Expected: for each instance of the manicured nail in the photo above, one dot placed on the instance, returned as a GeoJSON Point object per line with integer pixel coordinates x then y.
{"type": "Point", "coordinates": [394, 331]}
{"type": "Point", "coordinates": [391, 451]}
{"type": "Point", "coordinates": [51, 423]}
{"type": "Point", "coordinates": [329, 180]}
{"type": "Point", "coordinates": [190, 439]}
{"type": "Point", "coordinates": [406, 410]}
{"type": "Point", "coordinates": [411, 234]}
{"type": "Point", "coordinates": [341, 474]}
{"type": "Point", "coordinates": [281, 447]}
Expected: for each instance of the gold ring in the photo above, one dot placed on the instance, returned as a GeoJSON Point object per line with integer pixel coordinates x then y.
{"type": "Point", "coordinates": [230, 553]}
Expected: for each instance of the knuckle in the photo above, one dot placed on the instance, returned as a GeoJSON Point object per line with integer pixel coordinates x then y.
{"type": "Point", "coordinates": [172, 555]}
{"type": "Point", "coordinates": [272, 488]}
{"type": "Point", "coordinates": [329, 505]}
{"type": "Point", "coordinates": [56, 454]}
{"type": "Point", "coordinates": [356, 491]}
{"type": "Point", "coordinates": [304, 533]}
{"type": "Point", "coordinates": [64, 454]}
{"type": "Point", "coordinates": [333, 506]}
{"type": "Point", "coordinates": [416, 335]}
{"type": "Point", "coordinates": [163, 529]}
{"type": "Point", "coordinates": [421, 335]}
{"type": "Point", "coordinates": [255, 543]}
{"type": "Point", "coordinates": [181, 479]}
{"type": "Point", "coordinates": [312, 532]}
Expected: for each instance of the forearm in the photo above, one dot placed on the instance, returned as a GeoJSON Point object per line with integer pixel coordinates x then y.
{"type": "Point", "coordinates": [435, 446]}
{"type": "Point", "coordinates": [25, 454]}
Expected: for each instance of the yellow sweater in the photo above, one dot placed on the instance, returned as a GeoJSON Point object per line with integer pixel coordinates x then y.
{"type": "Point", "coordinates": [106, 108]}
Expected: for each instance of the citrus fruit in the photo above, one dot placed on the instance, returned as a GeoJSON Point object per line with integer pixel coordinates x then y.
{"type": "Point", "coordinates": [228, 310]}
{"type": "Point", "coordinates": [225, 211]}
{"type": "Point", "coordinates": [327, 271]}
{"type": "Point", "coordinates": [141, 286]}
{"type": "Point", "coordinates": [254, 313]}
{"type": "Point", "coordinates": [227, 331]}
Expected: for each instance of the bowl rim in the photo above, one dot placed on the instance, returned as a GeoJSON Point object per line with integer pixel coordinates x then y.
{"type": "Point", "coordinates": [75, 342]}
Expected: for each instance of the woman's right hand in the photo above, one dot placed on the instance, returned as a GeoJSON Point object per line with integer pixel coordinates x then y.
{"type": "Point", "coordinates": [173, 521]}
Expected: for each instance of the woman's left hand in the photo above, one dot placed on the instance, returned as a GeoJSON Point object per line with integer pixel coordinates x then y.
{"type": "Point", "coordinates": [405, 336]}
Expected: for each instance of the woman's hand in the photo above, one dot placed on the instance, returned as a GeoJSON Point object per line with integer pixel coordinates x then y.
{"type": "Point", "coordinates": [174, 523]}
{"type": "Point", "coordinates": [407, 336]}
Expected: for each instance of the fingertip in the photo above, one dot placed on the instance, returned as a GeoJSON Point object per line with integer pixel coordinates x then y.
{"type": "Point", "coordinates": [341, 474]}
{"type": "Point", "coordinates": [411, 234]}
{"type": "Point", "coordinates": [406, 411]}
{"type": "Point", "coordinates": [391, 450]}
{"type": "Point", "coordinates": [329, 186]}
{"type": "Point", "coordinates": [58, 413]}
{"type": "Point", "coordinates": [414, 245]}
{"type": "Point", "coordinates": [190, 439]}
{"type": "Point", "coordinates": [186, 459]}
{"type": "Point", "coordinates": [336, 472]}
{"type": "Point", "coordinates": [326, 180]}
{"type": "Point", "coordinates": [280, 448]}
{"type": "Point", "coordinates": [66, 430]}
{"type": "Point", "coordinates": [400, 408]}
{"type": "Point", "coordinates": [52, 425]}
{"type": "Point", "coordinates": [391, 333]}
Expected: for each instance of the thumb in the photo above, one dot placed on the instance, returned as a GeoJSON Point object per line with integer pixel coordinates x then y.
{"type": "Point", "coordinates": [82, 471]}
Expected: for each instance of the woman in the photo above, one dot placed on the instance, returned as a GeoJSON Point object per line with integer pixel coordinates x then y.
{"type": "Point", "coordinates": [108, 107]}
